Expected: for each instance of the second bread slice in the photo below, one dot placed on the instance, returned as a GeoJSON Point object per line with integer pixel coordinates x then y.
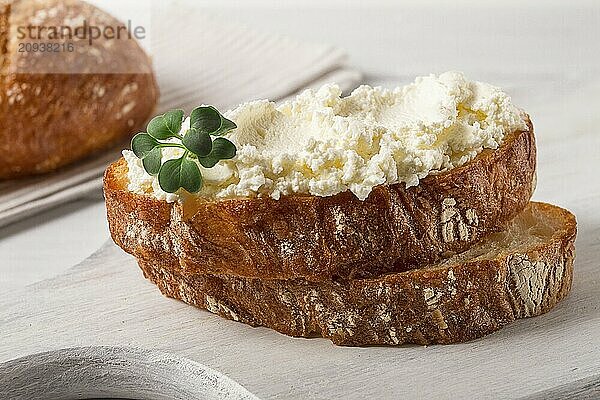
{"type": "Point", "coordinates": [521, 272]}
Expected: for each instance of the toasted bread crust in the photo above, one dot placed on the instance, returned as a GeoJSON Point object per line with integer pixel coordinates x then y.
{"type": "Point", "coordinates": [52, 115]}
{"type": "Point", "coordinates": [338, 237]}
{"type": "Point", "coordinates": [444, 303]}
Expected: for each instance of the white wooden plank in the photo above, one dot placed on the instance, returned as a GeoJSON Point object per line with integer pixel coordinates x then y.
{"type": "Point", "coordinates": [583, 389]}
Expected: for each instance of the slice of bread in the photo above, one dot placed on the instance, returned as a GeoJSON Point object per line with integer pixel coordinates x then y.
{"type": "Point", "coordinates": [520, 272]}
{"type": "Point", "coordinates": [337, 237]}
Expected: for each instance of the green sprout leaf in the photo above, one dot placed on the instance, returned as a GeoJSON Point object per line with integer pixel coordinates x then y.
{"type": "Point", "coordinates": [226, 126]}
{"type": "Point", "coordinates": [152, 161]}
{"type": "Point", "coordinates": [142, 144]}
{"type": "Point", "coordinates": [198, 142]}
{"type": "Point", "coordinates": [146, 148]}
{"type": "Point", "coordinates": [222, 149]}
{"type": "Point", "coordinates": [208, 161]}
{"type": "Point", "coordinates": [173, 120]}
{"type": "Point", "coordinates": [180, 173]}
{"type": "Point", "coordinates": [166, 126]}
{"type": "Point", "coordinates": [207, 119]}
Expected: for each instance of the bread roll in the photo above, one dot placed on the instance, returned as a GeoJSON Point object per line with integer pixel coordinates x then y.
{"type": "Point", "coordinates": [59, 106]}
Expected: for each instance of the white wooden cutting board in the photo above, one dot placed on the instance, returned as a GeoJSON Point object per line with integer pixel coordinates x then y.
{"type": "Point", "coordinates": [106, 301]}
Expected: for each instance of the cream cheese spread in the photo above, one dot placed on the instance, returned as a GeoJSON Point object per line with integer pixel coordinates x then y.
{"type": "Point", "coordinates": [322, 144]}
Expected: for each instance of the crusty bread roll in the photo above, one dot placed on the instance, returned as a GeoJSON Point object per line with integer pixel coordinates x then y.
{"type": "Point", "coordinates": [59, 107]}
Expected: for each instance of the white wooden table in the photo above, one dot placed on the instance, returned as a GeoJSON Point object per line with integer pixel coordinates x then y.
{"type": "Point", "coordinates": [546, 56]}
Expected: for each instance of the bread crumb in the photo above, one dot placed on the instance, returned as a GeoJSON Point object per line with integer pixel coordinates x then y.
{"type": "Point", "coordinates": [431, 297]}
{"type": "Point", "coordinates": [530, 279]}
{"type": "Point", "coordinates": [438, 318]}
{"type": "Point", "coordinates": [286, 248]}
{"type": "Point", "coordinates": [472, 218]}
{"type": "Point", "coordinates": [449, 202]}
{"type": "Point", "coordinates": [216, 307]}
{"type": "Point", "coordinates": [393, 336]}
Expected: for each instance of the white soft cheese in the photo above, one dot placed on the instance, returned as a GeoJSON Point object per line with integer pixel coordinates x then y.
{"type": "Point", "coordinates": [322, 144]}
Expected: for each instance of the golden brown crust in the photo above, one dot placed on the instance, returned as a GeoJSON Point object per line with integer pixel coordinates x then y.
{"type": "Point", "coordinates": [443, 303]}
{"type": "Point", "coordinates": [50, 119]}
{"type": "Point", "coordinates": [337, 237]}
